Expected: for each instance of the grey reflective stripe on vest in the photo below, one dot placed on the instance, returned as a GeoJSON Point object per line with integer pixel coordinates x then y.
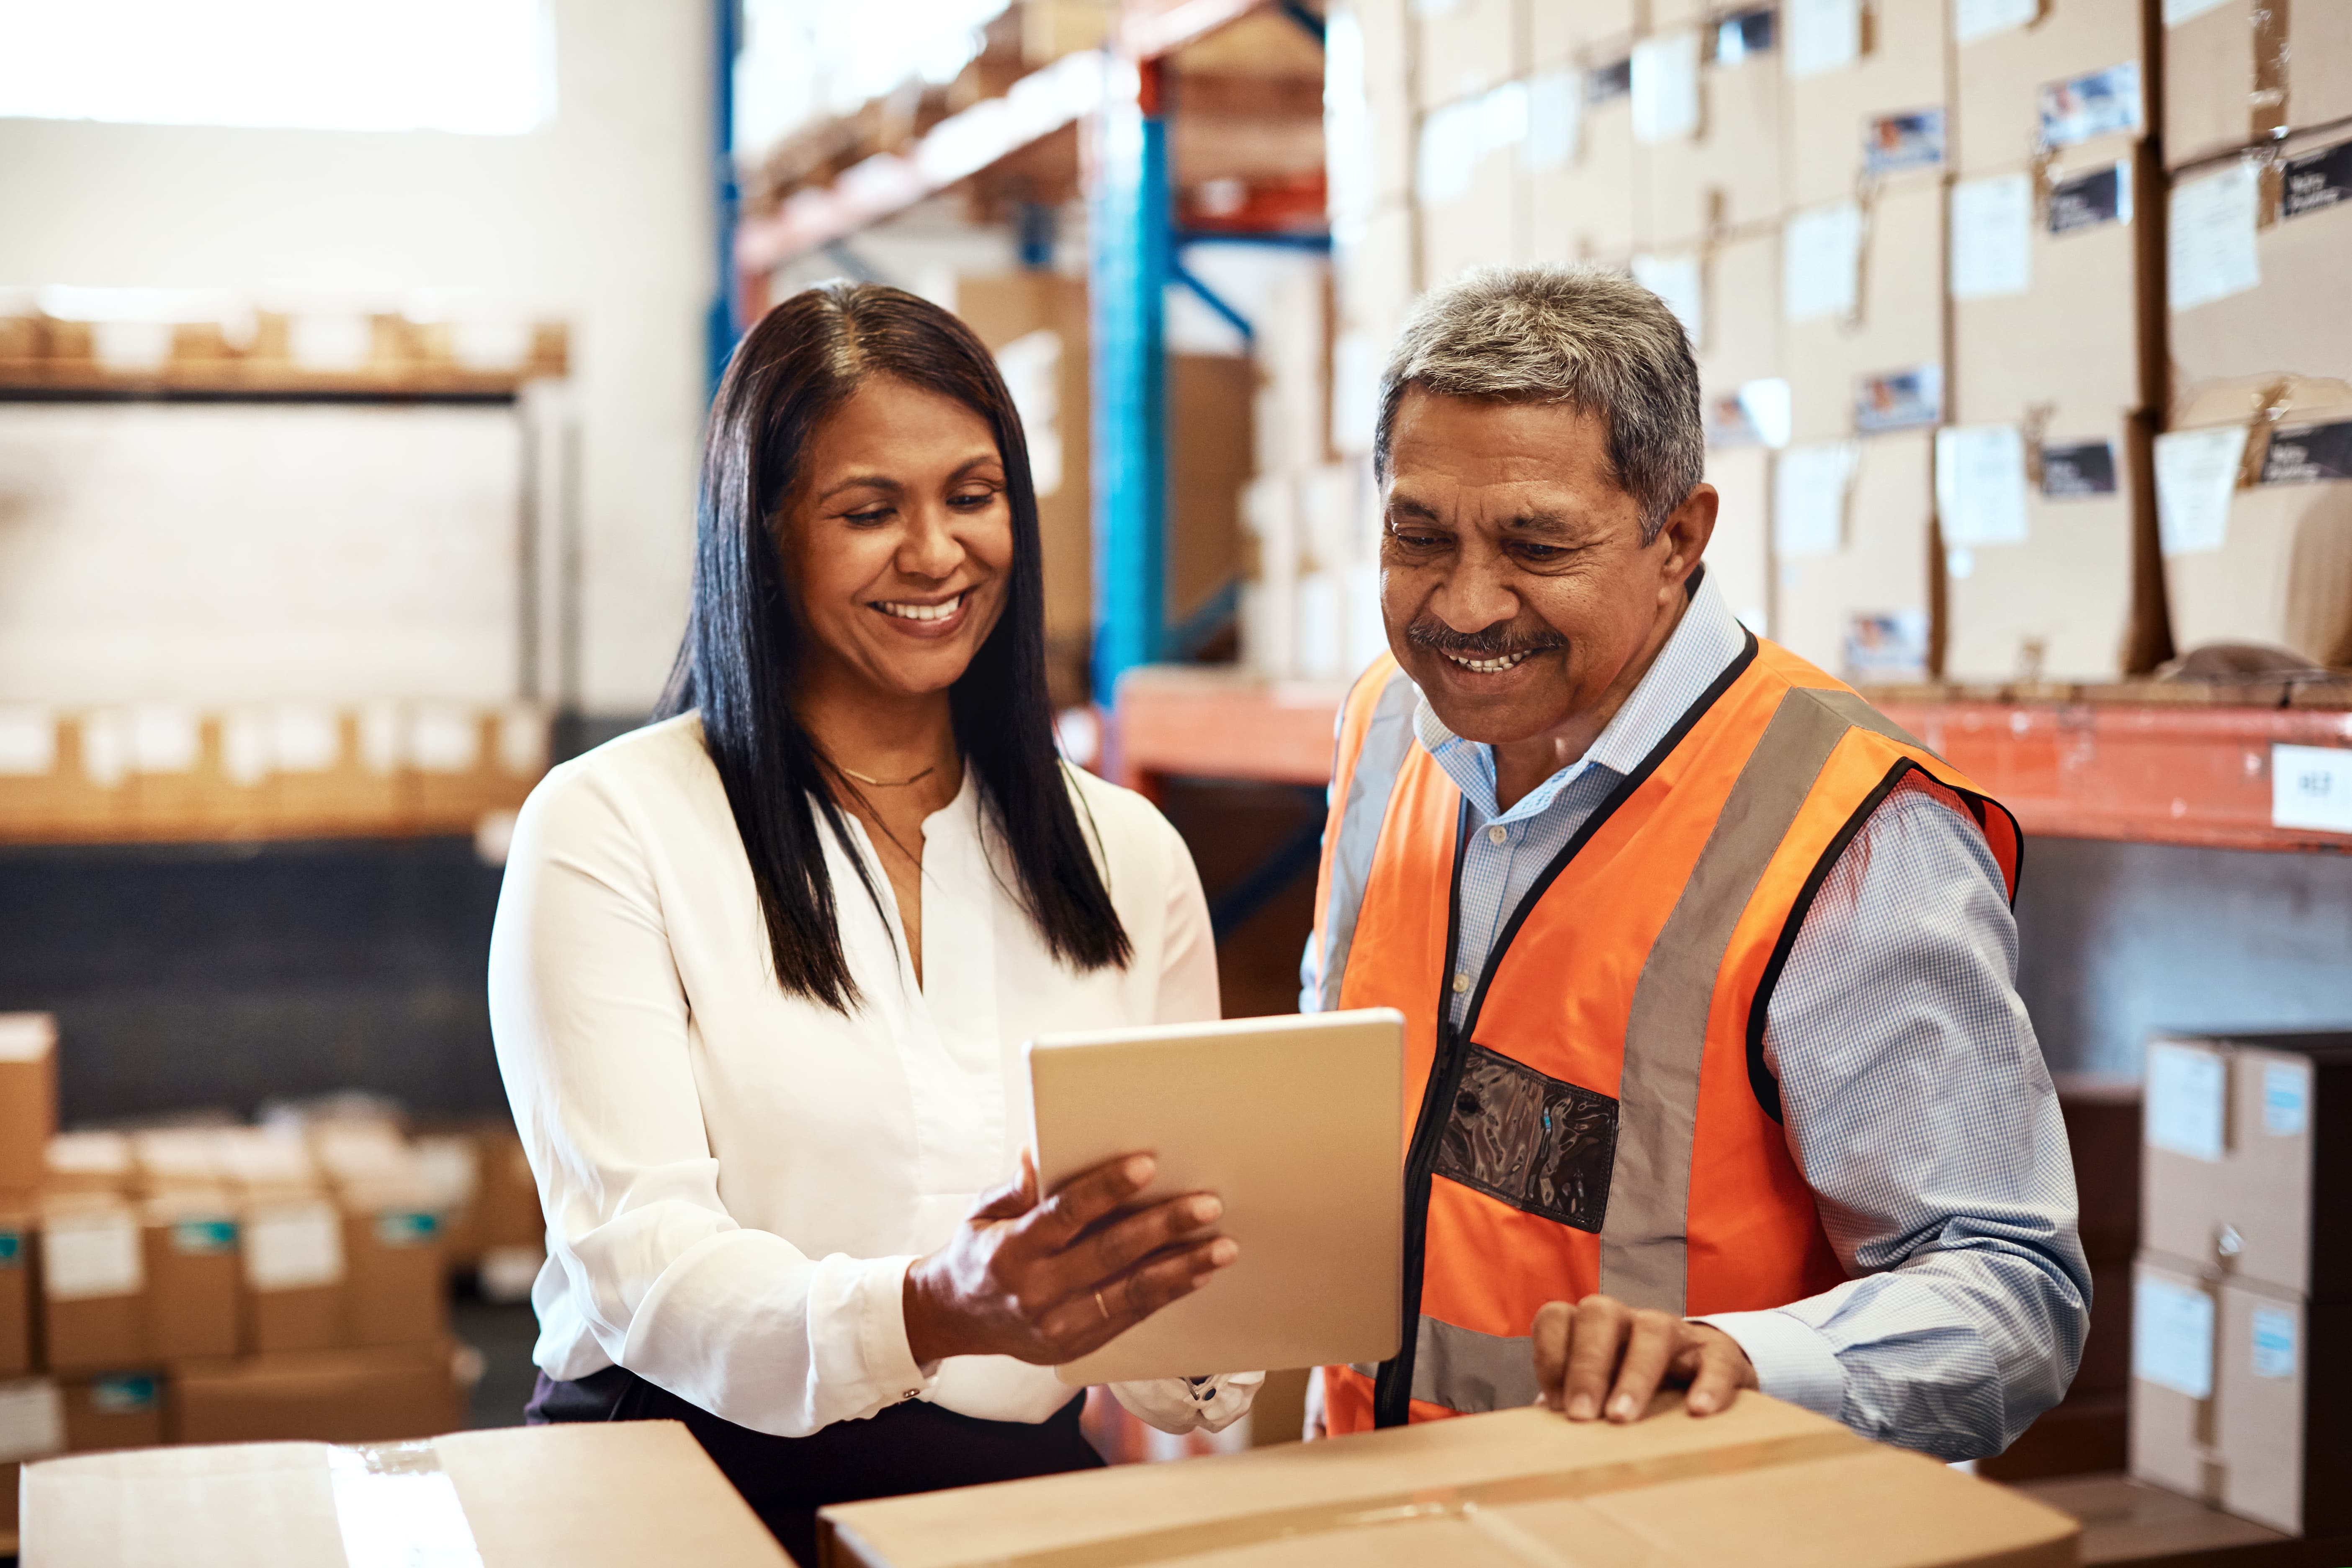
{"type": "Point", "coordinates": [1849, 706]}
{"type": "Point", "coordinates": [1464, 1369]}
{"type": "Point", "coordinates": [1387, 739]}
{"type": "Point", "coordinates": [1645, 1239]}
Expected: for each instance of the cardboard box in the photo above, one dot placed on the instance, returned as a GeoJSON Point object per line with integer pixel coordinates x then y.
{"type": "Point", "coordinates": [1584, 201]}
{"type": "Point", "coordinates": [1739, 557]}
{"type": "Point", "coordinates": [1724, 175]}
{"type": "Point", "coordinates": [398, 1292]}
{"type": "Point", "coordinates": [120, 1410]}
{"type": "Point", "coordinates": [2238, 71]}
{"type": "Point", "coordinates": [1471, 154]}
{"type": "Point", "coordinates": [2249, 1158]}
{"type": "Point", "coordinates": [294, 1273]}
{"type": "Point", "coordinates": [608, 1495]}
{"type": "Point", "coordinates": [1560, 34]}
{"type": "Point", "coordinates": [1463, 48]}
{"type": "Point", "coordinates": [192, 1268]}
{"type": "Point", "coordinates": [17, 1228]}
{"type": "Point", "coordinates": [28, 1097]}
{"type": "Point", "coordinates": [2238, 1397]}
{"type": "Point", "coordinates": [98, 1162]}
{"type": "Point", "coordinates": [2004, 80]}
{"type": "Point", "coordinates": [1211, 456]}
{"type": "Point", "coordinates": [171, 1159]}
{"type": "Point", "coordinates": [1846, 340]}
{"type": "Point", "coordinates": [1859, 609]}
{"type": "Point", "coordinates": [93, 1285]}
{"type": "Point", "coordinates": [2257, 266]}
{"type": "Point", "coordinates": [1374, 275]}
{"type": "Point", "coordinates": [1513, 1487]}
{"type": "Point", "coordinates": [2256, 536]}
{"type": "Point", "coordinates": [1834, 100]}
{"type": "Point", "coordinates": [336, 1396]}
{"type": "Point", "coordinates": [31, 1426]}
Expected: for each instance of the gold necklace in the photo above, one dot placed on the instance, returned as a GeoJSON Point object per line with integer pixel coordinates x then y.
{"type": "Point", "coordinates": [890, 784]}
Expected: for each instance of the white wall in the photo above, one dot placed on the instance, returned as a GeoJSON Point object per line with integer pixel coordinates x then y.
{"type": "Point", "coordinates": [602, 216]}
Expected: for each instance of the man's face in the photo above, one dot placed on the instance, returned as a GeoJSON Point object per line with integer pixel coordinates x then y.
{"type": "Point", "coordinates": [1514, 582]}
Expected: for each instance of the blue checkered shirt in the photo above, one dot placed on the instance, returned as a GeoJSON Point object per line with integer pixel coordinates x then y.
{"type": "Point", "coordinates": [1914, 1097]}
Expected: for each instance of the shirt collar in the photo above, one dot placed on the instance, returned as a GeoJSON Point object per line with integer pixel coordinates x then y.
{"type": "Point", "coordinates": [1702, 646]}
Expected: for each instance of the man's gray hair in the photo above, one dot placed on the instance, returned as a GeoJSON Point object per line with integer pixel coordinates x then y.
{"type": "Point", "coordinates": [1594, 340]}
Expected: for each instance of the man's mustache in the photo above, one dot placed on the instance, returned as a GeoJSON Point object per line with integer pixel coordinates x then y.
{"type": "Point", "coordinates": [1500, 641]}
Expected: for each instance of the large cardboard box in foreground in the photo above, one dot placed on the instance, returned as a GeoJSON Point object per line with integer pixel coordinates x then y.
{"type": "Point", "coordinates": [609, 1495]}
{"type": "Point", "coordinates": [1763, 1482]}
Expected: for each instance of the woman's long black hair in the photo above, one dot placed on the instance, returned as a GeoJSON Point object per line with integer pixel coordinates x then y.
{"type": "Point", "coordinates": [744, 639]}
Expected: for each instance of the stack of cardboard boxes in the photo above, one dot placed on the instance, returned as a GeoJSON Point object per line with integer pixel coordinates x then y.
{"type": "Point", "coordinates": [1921, 253]}
{"type": "Point", "coordinates": [2242, 1302]}
{"type": "Point", "coordinates": [218, 1284]}
{"type": "Point", "coordinates": [2255, 471]}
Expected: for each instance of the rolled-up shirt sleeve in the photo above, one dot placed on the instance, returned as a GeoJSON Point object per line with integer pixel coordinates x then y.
{"type": "Point", "coordinates": [594, 1039]}
{"type": "Point", "coordinates": [1918, 1107]}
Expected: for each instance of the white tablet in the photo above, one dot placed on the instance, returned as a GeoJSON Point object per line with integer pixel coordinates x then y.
{"type": "Point", "coordinates": [1296, 1123]}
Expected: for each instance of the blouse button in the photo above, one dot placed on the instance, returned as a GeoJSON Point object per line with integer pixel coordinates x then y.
{"type": "Point", "coordinates": [1499, 834]}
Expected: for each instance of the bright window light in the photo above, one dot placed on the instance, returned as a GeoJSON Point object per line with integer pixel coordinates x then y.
{"type": "Point", "coordinates": [804, 59]}
{"type": "Point", "coordinates": [483, 67]}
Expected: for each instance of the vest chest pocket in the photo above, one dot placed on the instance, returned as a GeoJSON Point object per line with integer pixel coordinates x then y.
{"type": "Point", "coordinates": [1540, 1145]}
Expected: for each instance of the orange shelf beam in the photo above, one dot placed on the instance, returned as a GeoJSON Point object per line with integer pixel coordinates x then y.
{"type": "Point", "coordinates": [2142, 773]}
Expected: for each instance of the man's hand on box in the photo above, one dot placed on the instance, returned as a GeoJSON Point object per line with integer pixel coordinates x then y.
{"type": "Point", "coordinates": [1603, 1357]}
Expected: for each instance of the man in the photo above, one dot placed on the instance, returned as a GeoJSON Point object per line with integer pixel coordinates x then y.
{"type": "Point", "coordinates": [1717, 1071]}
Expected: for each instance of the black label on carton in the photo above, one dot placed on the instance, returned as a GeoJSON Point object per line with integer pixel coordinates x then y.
{"type": "Point", "coordinates": [2309, 452]}
{"type": "Point", "coordinates": [2072, 470]}
{"type": "Point", "coordinates": [2316, 180]}
{"type": "Point", "coordinates": [2100, 196]}
{"type": "Point", "coordinates": [1614, 80]}
{"type": "Point", "coordinates": [1912, 139]}
{"type": "Point", "coordinates": [1742, 35]}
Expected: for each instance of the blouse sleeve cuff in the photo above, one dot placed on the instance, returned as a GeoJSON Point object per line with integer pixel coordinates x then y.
{"type": "Point", "coordinates": [890, 1364]}
{"type": "Point", "coordinates": [1792, 1361]}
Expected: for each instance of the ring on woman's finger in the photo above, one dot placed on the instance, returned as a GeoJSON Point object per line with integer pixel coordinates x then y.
{"type": "Point", "coordinates": [1100, 1308]}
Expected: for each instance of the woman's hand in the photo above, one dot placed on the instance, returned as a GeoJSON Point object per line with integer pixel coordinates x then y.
{"type": "Point", "coordinates": [1046, 1282]}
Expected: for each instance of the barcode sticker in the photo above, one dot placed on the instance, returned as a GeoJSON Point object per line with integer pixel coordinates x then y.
{"type": "Point", "coordinates": [2274, 1339]}
{"type": "Point", "coordinates": [2286, 1100]}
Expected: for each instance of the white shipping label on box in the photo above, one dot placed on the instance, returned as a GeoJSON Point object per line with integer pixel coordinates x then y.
{"type": "Point", "coordinates": [2274, 1337]}
{"type": "Point", "coordinates": [2286, 1093]}
{"type": "Point", "coordinates": [1822, 34]}
{"type": "Point", "coordinates": [1974, 19]}
{"type": "Point", "coordinates": [1992, 236]}
{"type": "Point", "coordinates": [1820, 263]}
{"type": "Point", "coordinates": [2172, 1336]}
{"type": "Point", "coordinates": [165, 737]}
{"type": "Point", "coordinates": [2179, 11]}
{"type": "Point", "coordinates": [2196, 476]}
{"type": "Point", "coordinates": [2185, 1099]}
{"type": "Point", "coordinates": [87, 1257]}
{"type": "Point", "coordinates": [1031, 367]}
{"type": "Point", "coordinates": [330, 343]}
{"type": "Point", "coordinates": [1678, 281]}
{"type": "Point", "coordinates": [2209, 249]}
{"type": "Point", "coordinates": [27, 1037]}
{"type": "Point", "coordinates": [293, 1247]}
{"type": "Point", "coordinates": [307, 738]}
{"type": "Point", "coordinates": [28, 742]}
{"type": "Point", "coordinates": [1449, 153]}
{"type": "Point", "coordinates": [1810, 485]}
{"type": "Point", "coordinates": [244, 747]}
{"type": "Point", "coordinates": [1555, 116]}
{"type": "Point", "coordinates": [1981, 484]}
{"type": "Point", "coordinates": [32, 1420]}
{"type": "Point", "coordinates": [445, 739]}
{"type": "Point", "coordinates": [2311, 787]}
{"type": "Point", "coordinates": [1665, 87]}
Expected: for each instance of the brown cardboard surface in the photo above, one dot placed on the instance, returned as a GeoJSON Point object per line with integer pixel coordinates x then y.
{"type": "Point", "coordinates": [2218, 95]}
{"type": "Point", "coordinates": [1504, 1488]}
{"type": "Point", "coordinates": [285, 1310]}
{"type": "Point", "coordinates": [120, 1411]}
{"type": "Point", "coordinates": [1739, 340]}
{"type": "Point", "coordinates": [597, 1496]}
{"type": "Point", "coordinates": [191, 1254]}
{"type": "Point", "coordinates": [28, 1097]}
{"type": "Point", "coordinates": [17, 1300]}
{"type": "Point", "coordinates": [1998, 77]}
{"type": "Point", "coordinates": [90, 1332]}
{"type": "Point", "coordinates": [2294, 322]}
{"type": "Point", "coordinates": [2275, 1206]}
{"type": "Point", "coordinates": [310, 1319]}
{"type": "Point", "coordinates": [1824, 115]}
{"type": "Point", "coordinates": [1590, 208]}
{"type": "Point", "coordinates": [1467, 48]}
{"type": "Point", "coordinates": [339, 1396]}
{"type": "Point", "coordinates": [1901, 316]}
{"type": "Point", "coordinates": [1211, 445]}
{"type": "Point", "coordinates": [1883, 566]}
{"type": "Point", "coordinates": [396, 1294]}
{"type": "Point", "coordinates": [1561, 34]}
{"type": "Point", "coordinates": [2170, 1428]}
{"type": "Point", "coordinates": [1480, 228]}
{"type": "Point", "coordinates": [1739, 556]}
{"type": "Point", "coordinates": [1728, 176]}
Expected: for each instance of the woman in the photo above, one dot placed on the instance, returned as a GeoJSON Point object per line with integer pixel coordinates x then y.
{"type": "Point", "coordinates": [763, 971]}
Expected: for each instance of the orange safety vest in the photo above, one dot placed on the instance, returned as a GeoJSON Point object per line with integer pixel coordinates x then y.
{"type": "Point", "coordinates": [1603, 1120]}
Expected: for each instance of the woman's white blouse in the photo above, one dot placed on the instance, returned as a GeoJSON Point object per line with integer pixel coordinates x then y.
{"type": "Point", "coordinates": [735, 1179]}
